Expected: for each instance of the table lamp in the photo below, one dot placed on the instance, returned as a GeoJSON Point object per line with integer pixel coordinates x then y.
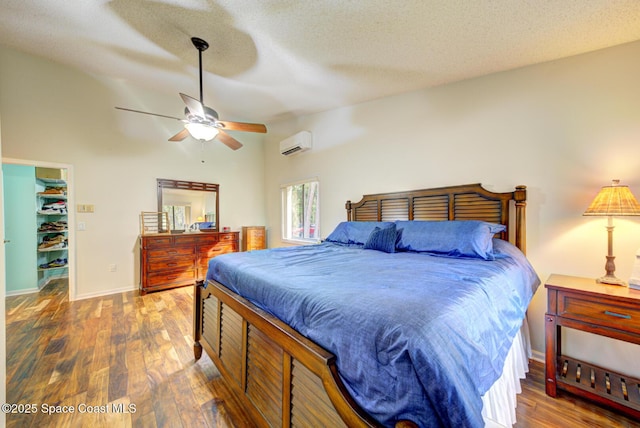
{"type": "Point", "coordinates": [612, 201]}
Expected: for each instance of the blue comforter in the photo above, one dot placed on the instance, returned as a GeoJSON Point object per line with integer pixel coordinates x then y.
{"type": "Point", "coordinates": [416, 336]}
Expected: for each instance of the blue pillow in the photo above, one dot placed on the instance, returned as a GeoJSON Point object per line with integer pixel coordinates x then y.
{"type": "Point", "coordinates": [458, 238]}
{"type": "Point", "coordinates": [355, 232]}
{"type": "Point", "coordinates": [382, 239]}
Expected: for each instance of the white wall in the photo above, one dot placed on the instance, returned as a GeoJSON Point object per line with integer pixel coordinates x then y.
{"type": "Point", "coordinates": [54, 113]}
{"type": "Point", "coordinates": [563, 128]}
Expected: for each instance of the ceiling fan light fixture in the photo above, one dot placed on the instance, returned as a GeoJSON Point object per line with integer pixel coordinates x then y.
{"type": "Point", "coordinates": [200, 131]}
{"type": "Point", "coordinates": [201, 122]}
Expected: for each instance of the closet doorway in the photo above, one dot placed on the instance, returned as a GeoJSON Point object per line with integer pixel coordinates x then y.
{"type": "Point", "coordinates": [25, 237]}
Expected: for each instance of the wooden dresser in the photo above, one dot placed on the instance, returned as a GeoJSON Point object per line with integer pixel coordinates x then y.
{"type": "Point", "coordinates": [254, 238]}
{"type": "Point", "coordinates": [168, 261]}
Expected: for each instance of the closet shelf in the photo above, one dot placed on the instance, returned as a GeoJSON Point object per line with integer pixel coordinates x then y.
{"type": "Point", "coordinates": [51, 212]}
{"type": "Point", "coordinates": [48, 250]}
{"type": "Point", "coordinates": [52, 196]}
{"type": "Point", "coordinates": [52, 268]}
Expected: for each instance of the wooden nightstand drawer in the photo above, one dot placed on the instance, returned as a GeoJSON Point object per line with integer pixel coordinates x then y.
{"type": "Point", "coordinates": [584, 308]}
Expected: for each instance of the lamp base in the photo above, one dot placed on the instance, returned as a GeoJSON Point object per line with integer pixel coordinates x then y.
{"type": "Point", "coordinates": [610, 279]}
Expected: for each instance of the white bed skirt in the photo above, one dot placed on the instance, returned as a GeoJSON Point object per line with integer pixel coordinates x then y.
{"type": "Point", "coordinates": [499, 403]}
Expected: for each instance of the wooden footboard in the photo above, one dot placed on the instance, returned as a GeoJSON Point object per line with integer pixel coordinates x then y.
{"type": "Point", "coordinates": [282, 378]}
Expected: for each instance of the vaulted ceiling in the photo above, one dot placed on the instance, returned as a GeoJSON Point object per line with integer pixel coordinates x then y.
{"type": "Point", "coordinates": [274, 59]}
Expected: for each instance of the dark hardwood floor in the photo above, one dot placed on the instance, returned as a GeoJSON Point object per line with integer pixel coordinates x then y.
{"type": "Point", "coordinates": [127, 360]}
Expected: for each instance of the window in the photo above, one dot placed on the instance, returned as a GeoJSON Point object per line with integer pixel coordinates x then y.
{"type": "Point", "coordinates": [301, 211]}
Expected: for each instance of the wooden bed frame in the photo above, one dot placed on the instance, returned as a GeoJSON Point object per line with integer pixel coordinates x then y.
{"type": "Point", "coordinates": [284, 379]}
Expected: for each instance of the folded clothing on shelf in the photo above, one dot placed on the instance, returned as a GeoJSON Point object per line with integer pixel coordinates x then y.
{"type": "Point", "coordinates": [57, 207]}
{"type": "Point", "coordinates": [55, 191]}
{"type": "Point", "coordinates": [53, 226]}
{"type": "Point", "coordinates": [53, 242]}
{"type": "Point", "coordinates": [57, 263]}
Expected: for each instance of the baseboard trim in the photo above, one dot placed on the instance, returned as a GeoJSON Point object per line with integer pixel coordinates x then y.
{"type": "Point", "coordinates": [105, 293]}
{"type": "Point", "coordinates": [21, 292]}
{"type": "Point", "coordinates": [537, 356]}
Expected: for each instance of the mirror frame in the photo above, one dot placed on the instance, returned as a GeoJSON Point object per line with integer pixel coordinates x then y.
{"type": "Point", "coordinates": [164, 183]}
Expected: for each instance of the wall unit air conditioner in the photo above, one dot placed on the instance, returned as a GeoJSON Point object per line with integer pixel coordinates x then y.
{"type": "Point", "coordinates": [296, 143]}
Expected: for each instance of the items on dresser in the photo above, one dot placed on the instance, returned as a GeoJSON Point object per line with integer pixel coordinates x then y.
{"type": "Point", "coordinates": [154, 222]}
{"type": "Point", "coordinates": [175, 260]}
{"type": "Point", "coordinates": [254, 238]}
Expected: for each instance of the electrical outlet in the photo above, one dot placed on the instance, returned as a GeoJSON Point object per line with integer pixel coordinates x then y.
{"type": "Point", "coordinates": [113, 267]}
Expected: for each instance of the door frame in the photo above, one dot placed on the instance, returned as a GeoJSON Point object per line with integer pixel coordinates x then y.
{"type": "Point", "coordinates": [70, 213]}
{"type": "Point", "coordinates": [3, 287]}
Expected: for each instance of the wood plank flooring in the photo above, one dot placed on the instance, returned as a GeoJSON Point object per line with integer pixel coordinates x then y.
{"type": "Point", "coordinates": [114, 351]}
{"type": "Point", "coordinates": [129, 360]}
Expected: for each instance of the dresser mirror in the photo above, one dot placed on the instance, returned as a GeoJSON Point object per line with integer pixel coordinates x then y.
{"type": "Point", "coordinates": [191, 206]}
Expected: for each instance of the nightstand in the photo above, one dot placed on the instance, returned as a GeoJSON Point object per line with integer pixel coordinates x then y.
{"type": "Point", "coordinates": [605, 310]}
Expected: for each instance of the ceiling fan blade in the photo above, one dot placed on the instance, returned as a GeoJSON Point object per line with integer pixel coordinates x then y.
{"type": "Point", "coordinates": [227, 139]}
{"type": "Point", "coordinates": [239, 126]}
{"type": "Point", "coordinates": [151, 114]}
{"type": "Point", "coordinates": [180, 135]}
{"type": "Point", "coordinates": [193, 105]}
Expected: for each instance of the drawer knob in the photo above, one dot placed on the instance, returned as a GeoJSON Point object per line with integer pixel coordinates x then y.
{"type": "Point", "coordinates": [615, 314]}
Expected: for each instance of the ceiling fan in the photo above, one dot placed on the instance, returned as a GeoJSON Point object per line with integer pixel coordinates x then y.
{"type": "Point", "coordinates": [201, 122]}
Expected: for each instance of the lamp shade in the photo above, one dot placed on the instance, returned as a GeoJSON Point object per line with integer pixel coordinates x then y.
{"type": "Point", "coordinates": [200, 131]}
{"type": "Point", "coordinates": [614, 200]}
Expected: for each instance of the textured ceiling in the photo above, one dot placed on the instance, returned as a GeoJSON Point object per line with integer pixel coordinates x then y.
{"type": "Point", "coordinates": [281, 58]}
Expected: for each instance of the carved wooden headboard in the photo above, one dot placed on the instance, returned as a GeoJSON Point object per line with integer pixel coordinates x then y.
{"type": "Point", "coordinates": [464, 202]}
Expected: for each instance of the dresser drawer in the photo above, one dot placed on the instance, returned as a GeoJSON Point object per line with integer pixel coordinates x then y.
{"type": "Point", "coordinates": [157, 241]}
{"type": "Point", "coordinates": [170, 277]}
{"type": "Point", "coordinates": [203, 260]}
{"type": "Point", "coordinates": [602, 312]}
{"type": "Point", "coordinates": [208, 239]}
{"type": "Point", "coordinates": [216, 250]}
{"type": "Point", "coordinates": [228, 236]}
{"type": "Point", "coordinates": [170, 252]}
{"type": "Point", "coordinates": [162, 264]}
